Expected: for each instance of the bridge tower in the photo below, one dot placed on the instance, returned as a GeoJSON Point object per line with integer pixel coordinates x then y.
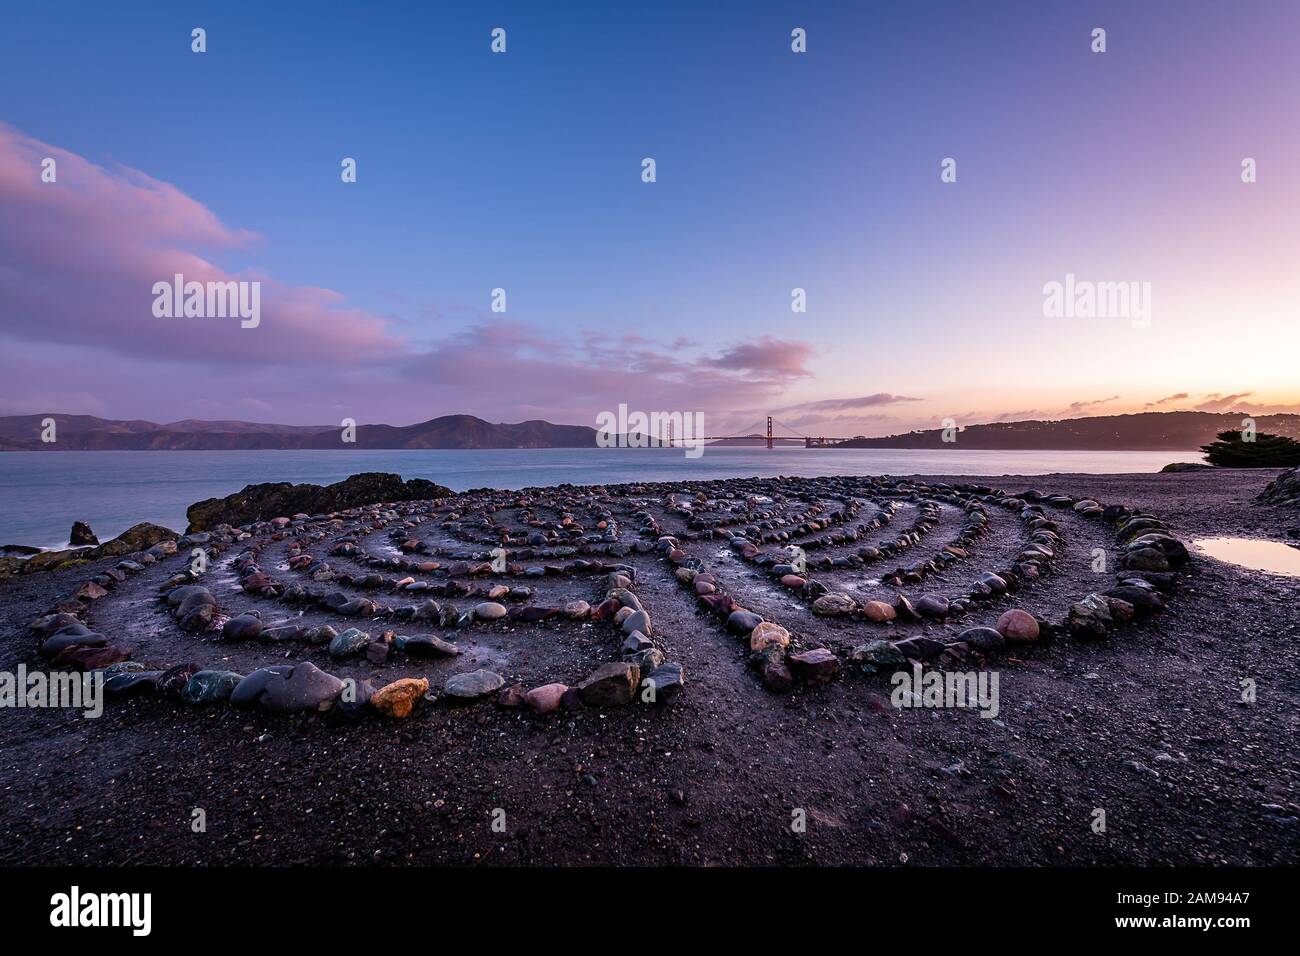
{"type": "Point", "coordinates": [769, 431]}
{"type": "Point", "coordinates": [670, 433]}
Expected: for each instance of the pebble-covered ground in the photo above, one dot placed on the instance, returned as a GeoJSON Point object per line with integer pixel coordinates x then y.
{"type": "Point", "coordinates": [709, 695]}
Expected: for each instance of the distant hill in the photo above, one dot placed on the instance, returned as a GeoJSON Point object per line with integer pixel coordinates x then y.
{"type": "Point", "coordinates": [1144, 431]}
{"type": "Point", "coordinates": [1147, 431]}
{"type": "Point", "coordinates": [88, 433]}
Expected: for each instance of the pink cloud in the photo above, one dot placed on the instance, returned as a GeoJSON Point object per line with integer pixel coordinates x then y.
{"type": "Point", "coordinates": [82, 255]}
{"type": "Point", "coordinates": [771, 356]}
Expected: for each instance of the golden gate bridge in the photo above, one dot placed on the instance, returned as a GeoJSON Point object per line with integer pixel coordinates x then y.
{"type": "Point", "coordinates": [769, 436]}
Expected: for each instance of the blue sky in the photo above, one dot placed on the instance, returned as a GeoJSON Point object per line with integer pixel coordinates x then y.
{"type": "Point", "coordinates": [775, 170]}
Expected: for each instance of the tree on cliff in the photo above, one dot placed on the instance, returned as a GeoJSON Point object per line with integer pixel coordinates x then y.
{"type": "Point", "coordinates": [1266, 451]}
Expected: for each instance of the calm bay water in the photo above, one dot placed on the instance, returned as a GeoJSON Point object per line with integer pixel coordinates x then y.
{"type": "Point", "coordinates": [42, 493]}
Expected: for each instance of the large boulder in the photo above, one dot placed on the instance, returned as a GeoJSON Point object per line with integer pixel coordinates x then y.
{"type": "Point", "coordinates": [138, 537]}
{"type": "Point", "coordinates": [81, 535]}
{"type": "Point", "coordinates": [269, 500]}
{"type": "Point", "coordinates": [1283, 490]}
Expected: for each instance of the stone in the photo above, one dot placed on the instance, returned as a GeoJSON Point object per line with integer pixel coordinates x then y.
{"type": "Point", "coordinates": [473, 684]}
{"type": "Point", "coordinates": [353, 704]}
{"type": "Point", "coordinates": [546, 699]}
{"type": "Point", "coordinates": [776, 675]}
{"type": "Point", "coordinates": [242, 627]}
{"type": "Point", "coordinates": [50, 623]}
{"type": "Point", "coordinates": [878, 611]}
{"type": "Point", "coordinates": [904, 608]}
{"type": "Point", "coordinates": [429, 645]}
{"type": "Point", "coordinates": [210, 686]}
{"type": "Point", "coordinates": [610, 685]}
{"type": "Point", "coordinates": [130, 683]}
{"type": "Point", "coordinates": [919, 647]}
{"type": "Point", "coordinates": [292, 631]}
{"type": "Point", "coordinates": [1018, 627]}
{"type": "Point", "coordinates": [743, 622]}
{"type": "Point", "coordinates": [195, 601]}
{"type": "Point", "coordinates": [511, 696]}
{"type": "Point", "coordinates": [348, 643]}
{"type": "Point", "coordinates": [172, 681]}
{"type": "Point", "coordinates": [817, 666]}
{"type": "Point", "coordinates": [878, 653]}
{"type": "Point", "coordinates": [1284, 489]}
{"type": "Point", "coordinates": [1145, 600]}
{"type": "Point", "coordinates": [1145, 559]}
{"type": "Point", "coordinates": [1121, 611]}
{"type": "Point", "coordinates": [200, 618]}
{"type": "Point", "coordinates": [83, 637]}
{"type": "Point", "coordinates": [288, 688]}
{"type": "Point", "coordinates": [646, 660]}
{"type": "Point", "coordinates": [398, 698]}
{"type": "Point", "coordinates": [489, 611]}
{"type": "Point", "coordinates": [90, 658]}
{"type": "Point", "coordinates": [179, 595]}
{"type": "Point", "coordinates": [833, 604]}
{"type": "Point", "coordinates": [666, 681]}
{"type": "Point", "coordinates": [577, 610]}
{"type": "Point", "coordinates": [81, 535]}
{"type": "Point", "coordinates": [1173, 550]}
{"type": "Point", "coordinates": [993, 582]}
{"type": "Point", "coordinates": [90, 591]}
{"type": "Point", "coordinates": [932, 605]}
{"type": "Point", "coordinates": [987, 639]}
{"type": "Point", "coordinates": [637, 621]}
{"type": "Point", "coordinates": [1090, 619]}
{"type": "Point", "coordinates": [768, 634]}
{"type": "Point", "coordinates": [636, 643]}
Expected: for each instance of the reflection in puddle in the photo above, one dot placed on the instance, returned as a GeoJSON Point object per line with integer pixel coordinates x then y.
{"type": "Point", "coordinates": [1273, 557]}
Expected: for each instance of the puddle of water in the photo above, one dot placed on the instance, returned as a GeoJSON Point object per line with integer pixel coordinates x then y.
{"type": "Point", "coordinates": [1272, 557]}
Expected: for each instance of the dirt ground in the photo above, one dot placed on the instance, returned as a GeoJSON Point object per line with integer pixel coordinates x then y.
{"type": "Point", "coordinates": [1149, 727]}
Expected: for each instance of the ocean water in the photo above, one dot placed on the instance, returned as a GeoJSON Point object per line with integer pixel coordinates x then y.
{"type": "Point", "coordinates": [42, 493]}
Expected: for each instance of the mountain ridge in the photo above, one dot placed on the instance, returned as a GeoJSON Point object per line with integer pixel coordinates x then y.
{"type": "Point", "coordinates": [1140, 431]}
{"type": "Point", "coordinates": [90, 433]}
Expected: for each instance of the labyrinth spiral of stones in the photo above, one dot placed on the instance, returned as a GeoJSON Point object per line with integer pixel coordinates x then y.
{"type": "Point", "coordinates": [556, 599]}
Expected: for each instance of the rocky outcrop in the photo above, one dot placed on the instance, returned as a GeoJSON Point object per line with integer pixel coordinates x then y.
{"type": "Point", "coordinates": [81, 535]}
{"type": "Point", "coordinates": [141, 537]}
{"type": "Point", "coordinates": [1283, 490]}
{"type": "Point", "coordinates": [282, 499]}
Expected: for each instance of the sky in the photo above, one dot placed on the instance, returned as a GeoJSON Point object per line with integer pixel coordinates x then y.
{"type": "Point", "coordinates": [774, 171]}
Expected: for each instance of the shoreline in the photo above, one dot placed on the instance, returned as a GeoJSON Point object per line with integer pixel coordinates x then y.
{"type": "Point", "coordinates": [109, 498]}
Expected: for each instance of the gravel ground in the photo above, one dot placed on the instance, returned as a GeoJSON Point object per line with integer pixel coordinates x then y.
{"type": "Point", "coordinates": [1149, 727]}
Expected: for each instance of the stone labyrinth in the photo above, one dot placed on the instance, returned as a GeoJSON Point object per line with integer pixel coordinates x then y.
{"type": "Point", "coordinates": [585, 597]}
